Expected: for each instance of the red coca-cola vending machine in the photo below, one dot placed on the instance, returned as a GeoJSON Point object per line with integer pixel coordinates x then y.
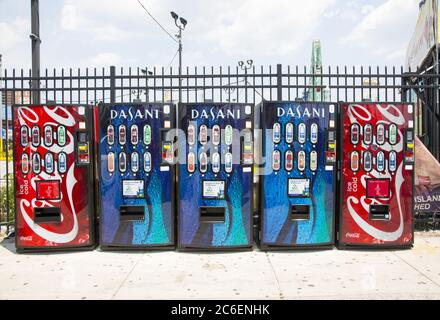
{"type": "Point", "coordinates": [377, 174]}
{"type": "Point", "coordinates": [54, 184]}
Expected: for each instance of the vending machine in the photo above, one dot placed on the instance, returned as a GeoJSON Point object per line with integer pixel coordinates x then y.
{"type": "Point", "coordinates": [298, 176]}
{"type": "Point", "coordinates": [137, 167]}
{"type": "Point", "coordinates": [54, 184]}
{"type": "Point", "coordinates": [377, 169]}
{"type": "Point", "coordinates": [215, 187]}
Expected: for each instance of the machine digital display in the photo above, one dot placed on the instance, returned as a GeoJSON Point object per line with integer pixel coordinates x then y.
{"type": "Point", "coordinates": [378, 188]}
{"type": "Point", "coordinates": [133, 189]}
{"type": "Point", "coordinates": [299, 188]}
{"type": "Point", "coordinates": [48, 190]}
{"type": "Point", "coordinates": [214, 190]}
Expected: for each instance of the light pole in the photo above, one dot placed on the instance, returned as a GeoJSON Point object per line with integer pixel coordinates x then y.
{"type": "Point", "coordinates": [245, 67]}
{"type": "Point", "coordinates": [181, 24]}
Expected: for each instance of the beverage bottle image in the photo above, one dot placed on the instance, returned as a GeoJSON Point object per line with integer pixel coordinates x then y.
{"type": "Point", "coordinates": [368, 134]}
{"type": "Point", "coordinates": [111, 135]}
{"type": "Point", "coordinates": [147, 162]}
{"type": "Point", "coordinates": [289, 133]}
{"type": "Point", "coordinates": [301, 161]}
{"type": "Point", "coordinates": [203, 135]}
{"type": "Point", "coordinates": [314, 133]}
{"type": "Point", "coordinates": [313, 160]}
{"type": "Point", "coordinates": [135, 162]}
{"type": "Point", "coordinates": [48, 136]}
{"type": "Point", "coordinates": [111, 162]}
{"type": "Point", "coordinates": [48, 163]}
{"type": "Point", "coordinates": [228, 135]}
{"type": "Point", "coordinates": [393, 134]}
{"type": "Point", "coordinates": [61, 135]}
{"type": "Point", "coordinates": [228, 162]}
{"type": "Point", "coordinates": [36, 163]}
{"type": "Point", "coordinates": [24, 136]}
{"type": "Point", "coordinates": [62, 162]}
{"type": "Point", "coordinates": [276, 160]}
{"type": "Point", "coordinates": [35, 136]}
{"type": "Point", "coordinates": [134, 135]}
{"type": "Point", "coordinates": [147, 134]}
{"type": "Point", "coordinates": [191, 135]}
{"type": "Point", "coordinates": [302, 133]}
{"type": "Point", "coordinates": [368, 161]}
{"type": "Point", "coordinates": [25, 163]}
{"type": "Point", "coordinates": [289, 160]}
{"type": "Point", "coordinates": [380, 161]}
{"type": "Point", "coordinates": [354, 161]}
{"type": "Point", "coordinates": [276, 133]}
{"type": "Point", "coordinates": [380, 134]}
{"type": "Point", "coordinates": [191, 162]}
{"type": "Point", "coordinates": [393, 161]}
{"type": "Point", "coordinates": [216, 163]}
{"type": "Point", "coordinates": [216, 135]}
{"type": "Point", "coordinates": [122, 134]}
{"type": "Point", "coordinates": [122, 162]}
{"type": "Point", "coordinates": [355, 132]}
{"type": "Point", "coordinates": [203, 162]}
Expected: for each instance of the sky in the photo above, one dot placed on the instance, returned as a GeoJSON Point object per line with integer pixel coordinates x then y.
{"type": "Point", "coordinates": [100, 33]}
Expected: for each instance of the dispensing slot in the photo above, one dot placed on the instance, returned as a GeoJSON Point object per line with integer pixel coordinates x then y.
{"type": "Point", "coordinates": [379, 212]}
{"type": "Point", "coordinates": [300, 212]}
{"type": "Point", "coordinates": [212, 214]}
{"type": "Point", "coordinates": [132, 213]}
{"type": "Point", "coordinates": [47, 215]}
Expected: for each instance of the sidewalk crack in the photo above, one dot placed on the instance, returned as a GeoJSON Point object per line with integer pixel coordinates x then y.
{"type": "Point", "coordinates": [281, 295]}
{"type": "Point", "coordinates": [413, 267]}
{"type": "Point", "coordinates": [125, 279]}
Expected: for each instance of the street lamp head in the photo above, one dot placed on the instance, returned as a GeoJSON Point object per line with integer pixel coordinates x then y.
{"type": "Point", "coordinates": [183, 22]}
{"type": "Point", "coordinates": [174, 15]}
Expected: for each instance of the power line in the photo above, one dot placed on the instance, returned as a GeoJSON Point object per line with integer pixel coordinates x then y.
{"type": "Point", "coordinates": [172, 60]}
{"type": "Point", "coordinates": [157, 22]}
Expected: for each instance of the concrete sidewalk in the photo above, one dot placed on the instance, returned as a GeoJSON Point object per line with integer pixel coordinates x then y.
{"type": "Point", "coordinates": [332, 274]}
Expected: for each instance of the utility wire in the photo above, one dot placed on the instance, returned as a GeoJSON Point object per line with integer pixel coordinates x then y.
{"type": "Point", "coordinates": [172, 60]}
{"type": "Point", "coordinates": [148, 12]}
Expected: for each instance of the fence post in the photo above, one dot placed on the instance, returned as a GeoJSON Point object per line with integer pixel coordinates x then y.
{"type": "Point", "coordinates": [279, 82]}
{"type": "Point", "coordinates": [112, 84]}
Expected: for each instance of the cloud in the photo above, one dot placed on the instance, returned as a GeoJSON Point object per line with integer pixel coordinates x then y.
{"type": "Point", "coordinates": [13, 33]}
{"type": "Point", "coordinates": [384, 30]}
{"type": "Point", "coordinates": [274, 27]}
{"type": "Point", "coordinates": [105, 59]}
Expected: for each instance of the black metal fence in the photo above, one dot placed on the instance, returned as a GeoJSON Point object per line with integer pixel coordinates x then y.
{"type": "Point", "coordinates": [218, 84]}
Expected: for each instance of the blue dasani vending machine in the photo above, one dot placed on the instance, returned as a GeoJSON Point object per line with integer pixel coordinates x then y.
{"type": "Point", "coordinates": [297, 185]}
{"type": "Point", "coordinates": [215, 179]}
{"type": "Point", "coordinates": [137, 166]}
